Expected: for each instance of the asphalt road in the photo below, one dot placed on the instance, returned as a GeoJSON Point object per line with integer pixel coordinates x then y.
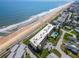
{"type": "Point", "coordinates": [64, 55]}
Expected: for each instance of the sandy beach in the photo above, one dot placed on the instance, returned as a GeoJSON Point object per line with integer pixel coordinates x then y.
{"type": "Point", "coordinates": [22, 33]}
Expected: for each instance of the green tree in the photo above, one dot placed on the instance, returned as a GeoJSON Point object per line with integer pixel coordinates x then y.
{"type": "Point", "coordinates": [78, 36]}
{"type": "Point", "coordinates": [78, 54]}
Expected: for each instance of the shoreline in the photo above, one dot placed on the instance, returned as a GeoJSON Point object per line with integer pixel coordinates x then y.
{"type": "Point", "coordinates": [3, 25]}
{"type": "Point", "coordinates": [23, 23]}
{"type": "Point", "coordinates": [22, 33]}
{"type": "Point", "coordinates": [33, 18]}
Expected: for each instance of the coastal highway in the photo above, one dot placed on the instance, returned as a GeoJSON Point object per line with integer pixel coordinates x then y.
{"type": "Point", "coordinates": [7, 41]}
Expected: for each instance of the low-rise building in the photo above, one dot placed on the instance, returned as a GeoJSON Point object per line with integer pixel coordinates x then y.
{"type": "Point", "coordinates": [20, 51]}
{"type": "Point", "coordinates": [38, 41]}
{"type": "Point", "coordinates": [17, 51]}
{"type": "Point", "coordinates": [71, 48]}
{"type": "Point", "coordinates": [77, 29]}
{"type": "Point", "coordinates": [72, 39]}
{"type": "Point", "coordinates": [62, 18]}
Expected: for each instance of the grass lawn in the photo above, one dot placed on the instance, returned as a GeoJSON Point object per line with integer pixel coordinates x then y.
{"type": "Point", "coordinates": [26, 41]}
{"type": "Point", "coordinates": [54, 19]}
{"type": "Point", "coordinates": [66, 36]}
{"type": "Point", "coordinates": [74, 32]}
{"type": "Point", "coordinates": [55, 51]}
{"type": "Point", "coordinates": [71, 54]}
{"type": "Point", "coordinates": [28, 56]}
{"type": "Point", "coordinates": [67, 29]}
{"type": "Point", "coordinates": [54, 41]}
{"type": "Point", "coordinates": [42, 54]}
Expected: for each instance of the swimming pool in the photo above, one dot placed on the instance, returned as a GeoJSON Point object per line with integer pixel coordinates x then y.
{"type": "Point", "coordinates": [54, 34]}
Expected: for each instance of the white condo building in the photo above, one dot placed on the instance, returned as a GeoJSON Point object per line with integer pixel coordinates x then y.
{"type": "Point", "coordinates": [38, 41]}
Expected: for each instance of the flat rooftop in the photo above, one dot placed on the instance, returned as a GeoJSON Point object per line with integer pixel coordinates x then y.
{"type": "Point", "coordinates": [17, 51]}
{"type": "Point", "coordinates": [36, 40]}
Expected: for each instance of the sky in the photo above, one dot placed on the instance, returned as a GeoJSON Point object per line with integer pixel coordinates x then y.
{"type": "Point", "coordinates": [37, 0]}
{"type": "Point", "coordinates": [50, 0]}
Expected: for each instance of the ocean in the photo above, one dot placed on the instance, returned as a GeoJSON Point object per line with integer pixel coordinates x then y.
{"type": "Point", "coordinates": [18, 11]}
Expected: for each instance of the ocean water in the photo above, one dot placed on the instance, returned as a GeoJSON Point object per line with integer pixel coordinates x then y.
{"type": "Point", "coordinates": [17, 11]}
